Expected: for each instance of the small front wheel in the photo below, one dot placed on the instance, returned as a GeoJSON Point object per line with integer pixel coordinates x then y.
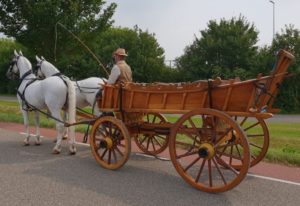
{"type": "Point", "coordinates": [110, 142]}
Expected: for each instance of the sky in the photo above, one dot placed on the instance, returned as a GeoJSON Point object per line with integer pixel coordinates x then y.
{"type": "Point", "coordinates": [175, 23]}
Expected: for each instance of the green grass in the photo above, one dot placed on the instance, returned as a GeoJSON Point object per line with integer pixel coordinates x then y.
{"type": "Point", "coordinates": [284, 138]}
{"type": "Point", "coordinates": [284, 143]}
{"type": "Point", "coordinates": [10, 112]}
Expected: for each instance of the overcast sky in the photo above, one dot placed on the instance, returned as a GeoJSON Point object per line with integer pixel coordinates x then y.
{"type": "Point", "coordinates": [176, 22]}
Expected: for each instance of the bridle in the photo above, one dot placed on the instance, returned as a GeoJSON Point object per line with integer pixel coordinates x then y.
{"type": "Point", "coordinates": [38, 67]}
{"type": "Point", "coordinates": [15, 75]}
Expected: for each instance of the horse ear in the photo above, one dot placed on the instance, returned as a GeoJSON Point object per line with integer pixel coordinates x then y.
{"type": "Point", "coordinates": [16, 53]}
{"type": "Point", "coordinates": [20, 52]}
{"type": "Point", "coordinates": [37, 58]}
{"type": "Point", "coordinates": [43, 58]}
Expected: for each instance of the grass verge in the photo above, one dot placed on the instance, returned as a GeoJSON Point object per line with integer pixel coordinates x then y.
{"type": "Point", "coordinates": [284, 138]}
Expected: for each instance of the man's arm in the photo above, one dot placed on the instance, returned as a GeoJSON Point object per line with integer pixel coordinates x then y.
{"type": "Point", "coordinates": [115, 73]}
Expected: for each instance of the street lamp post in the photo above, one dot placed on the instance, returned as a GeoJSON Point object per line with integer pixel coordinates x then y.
{"type": "Point", "coordinates": [272, 2]}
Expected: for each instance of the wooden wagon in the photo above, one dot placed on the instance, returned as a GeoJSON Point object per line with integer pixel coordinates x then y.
{"type": "Point", "coordinates": [220, 132]}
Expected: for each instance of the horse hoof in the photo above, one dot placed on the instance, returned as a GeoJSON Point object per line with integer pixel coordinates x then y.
{"type": "Point", "coordinates": [72, 152]}
{"type": "Point", "coordinates": [64, 137]}
{"type": "Point", "coordinates": [55, 152]}
{"type": "Point", "coordinates": [37, 143]}
{"type": "Point", "coordinates": [26, 144]}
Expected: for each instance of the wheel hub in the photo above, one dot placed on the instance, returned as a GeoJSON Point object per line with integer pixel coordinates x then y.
{"type": "Point", "coordinates": [206, 151]}
{"type": "Point", "coordinates": [106, 143]}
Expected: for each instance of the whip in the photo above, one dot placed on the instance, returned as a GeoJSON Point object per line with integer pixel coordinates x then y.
{"type": "Point", "coordinates": [82, 44]}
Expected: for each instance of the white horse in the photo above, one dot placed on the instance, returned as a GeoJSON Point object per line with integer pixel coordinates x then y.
{"type": "Point", "coordinates": [86, 89]}
{"type": "Point", "coordinates": [50, 94]}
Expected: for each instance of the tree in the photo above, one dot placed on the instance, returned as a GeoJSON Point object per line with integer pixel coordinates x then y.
{"type": "Point", "coordinates": [6, 54]}
{"type": "Point", "coordinates": [32, 23]}
{"type": "Point", "coordinates": [289, 96]}
{"type": "Point", "coordinates": [146, 57]}
{"type": "Point", "coordinates": [224, 49]}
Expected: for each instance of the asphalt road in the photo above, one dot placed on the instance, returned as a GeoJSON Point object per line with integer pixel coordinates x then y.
{"type": "Point", "coordinates": [33, 176]}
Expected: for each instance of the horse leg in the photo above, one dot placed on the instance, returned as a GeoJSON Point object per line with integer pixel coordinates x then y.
{"type": "Point", "coordinates": [65, 135]}
{"type": "Point", "coordinates": [26, 125]}
{"type": "Point", "coordinates": [60, 131]}
{"type": "Point", "coordinates": [37, 128]}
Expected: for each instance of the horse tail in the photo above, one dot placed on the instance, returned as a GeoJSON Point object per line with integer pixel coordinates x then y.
{"type": "Point", "coordinates": [71, 107]}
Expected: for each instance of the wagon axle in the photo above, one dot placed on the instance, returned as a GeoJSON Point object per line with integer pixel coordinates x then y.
{"type": "Point", "coordinates": [206, 151]}
{"type": "Point", "coordinates": [106, 143]}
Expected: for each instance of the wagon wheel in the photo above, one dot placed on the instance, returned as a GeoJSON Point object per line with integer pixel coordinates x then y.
{"type": "Point", "coordinates": [152, 143]}
{"type": "Point", "coordinates": [257, 134]}
{"type": "Point", "coordinates": [110, 142]}
{"type": "Point", "coordinates": [200, 150]}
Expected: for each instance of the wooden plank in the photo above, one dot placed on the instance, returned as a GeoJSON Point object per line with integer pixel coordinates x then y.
{"type": "Point", "coordinates": [228, 96]}
{"type": "Point", "coordinates": [204, 99]}
{"type": "Point", "coordinates": [184, 95]}
{"type": "Point", "coordinates": [131, 99]}
{"type": "Point", "coordinates": [252, 99]}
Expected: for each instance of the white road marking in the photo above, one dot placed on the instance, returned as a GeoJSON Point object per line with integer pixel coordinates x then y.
{"type": "Point", "coordinates": [32, 135]}
{"type": "Point", "coordinates": [274, 179]}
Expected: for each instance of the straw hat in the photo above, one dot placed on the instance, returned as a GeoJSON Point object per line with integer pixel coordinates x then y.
{"type": "Point", "coordinates": [120, 52]}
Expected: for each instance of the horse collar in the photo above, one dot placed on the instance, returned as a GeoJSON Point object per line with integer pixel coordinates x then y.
{"type": "Point", "coordinates": [57, 74]}
{"type": "Point", "coordinates": [25, 75]}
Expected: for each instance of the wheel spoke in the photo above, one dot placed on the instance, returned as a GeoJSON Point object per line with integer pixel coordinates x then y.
{"type": "Point", "coordinates": [200, 171]}
{"type": "Point", "coordinates": [145, 137]}
{"type": "Point", "coordinates": [223, 135]}
{"type": "Point", "coordinates": [154, 118]}
{"type": "Point", "coordinates": [244, 120]}
{"type": "Point", "coordinates": [119, 151]}
{"type": "Point", "coordinates": [251, 126]}
{"type": "Point", "coordinates": [109, 157]}
{"type": "Point", "coordinates": [161, 137]}
{"type": "Point", "coordinates": [255, 135]}
{"type": "Point", "coordinates": [101, 132]}
{"type": "Point", "coordinates": [255, 145]}
{"type": "Point", "coordinates": [219, 170]}
{"type": "Point", "coordinates": [190, 136]}
{"type": "Point", "coordinates": [192, 163]}
{"type": "Point", "coordinates": [238, 151]}
{"type": "Point", "coordinates": [157, 142]}
{"type": "Point", "coordinates": [228, 166]}
{"type": "Point", "coordinates": [148, 142]}
{"type": "Point", "coordinates": [115, 156]}
{"type": "Point", "coordinates": [230, 156]}
{"type": "Point", "coordinates": [186, 154]}
{"type": "Point", "coordinates": [153, 146]}
{"type": "Point", "coordinates": [184, 144]}
{"type": "Point", "coordinates": [210, 173]}
{"type": "Point", "coordinates": [103, 154]}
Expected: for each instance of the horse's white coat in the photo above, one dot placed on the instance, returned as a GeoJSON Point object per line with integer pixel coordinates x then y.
{"type": "Point", "coordinates": [86, 89]}
{"type": "Point", "coordinates": [50, 94]}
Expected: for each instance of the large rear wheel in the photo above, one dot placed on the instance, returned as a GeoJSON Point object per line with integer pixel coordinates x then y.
{"type": "Point", "coordinates": [201, 145]}
{"type": "Point", "coordinates": [257, 134]}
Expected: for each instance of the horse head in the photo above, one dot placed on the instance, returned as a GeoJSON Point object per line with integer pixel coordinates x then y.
{"type": "Point", "coordinates": [44, 68]}
{"type": "Point", "coordinates": [19, 67]}
{"type": "Point", "coordinates": [38, 67]}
